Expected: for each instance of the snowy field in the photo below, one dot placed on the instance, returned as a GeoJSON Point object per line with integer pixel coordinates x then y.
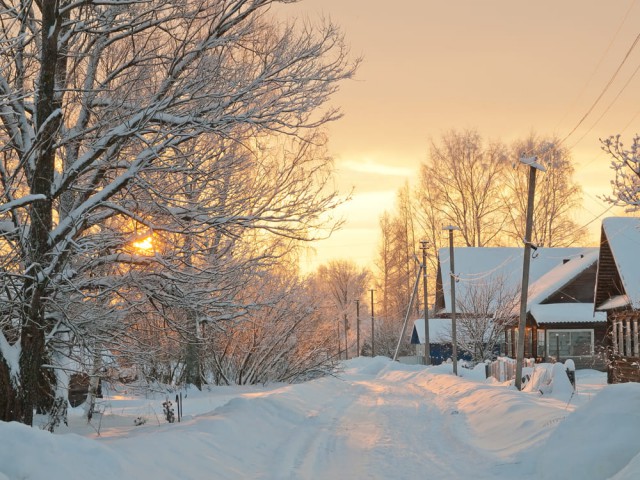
{"type": "Point", "coordinates": [377, 420]}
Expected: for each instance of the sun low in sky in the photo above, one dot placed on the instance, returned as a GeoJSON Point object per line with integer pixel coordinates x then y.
{"type": "Point", "coordinates": [501, 67]}
{"type": "Point", "coordinates": [144, 245]}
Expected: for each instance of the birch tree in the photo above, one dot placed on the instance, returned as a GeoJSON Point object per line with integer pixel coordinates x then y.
{"type": "Point", "coordinates": [102, 105]}
{"type": "Point", "coordinates": [556, 197]}
{"type": "Point", "coordinates": [462, 182]}
{"type": "Point", "coordinates": [396, 262]}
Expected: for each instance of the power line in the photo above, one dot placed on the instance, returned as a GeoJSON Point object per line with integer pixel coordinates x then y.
{"type": "Point", "coordinates": [631, 121]}
{"type": "Point", "coordinates": [615, 99]}
{"type": "Point", "coordinates": [597, 67]}
{"type": "Point", "coordinates": [604, 90]}
{"type": "Point", "coordinates": [597, 216]}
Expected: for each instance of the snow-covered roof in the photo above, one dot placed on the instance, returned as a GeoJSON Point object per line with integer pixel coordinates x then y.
{"type": "Point", "coordinates": [618, 301]}
{"type": "Point", "coordinates": [566, 313]}
{"type": "Point", "coordinates": [476, 266]}
{"type": "Point", "coordinates": [623, 235]}
{"type": "Point", "coordinates": [559, 276]}
{"type": "Point", "coordinates": [439, 330]}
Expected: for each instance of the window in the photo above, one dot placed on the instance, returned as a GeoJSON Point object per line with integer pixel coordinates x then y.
{"type": "Point", "coordinates": [541, 343]}
{"type": "Point", "coordinates": [569, 343]}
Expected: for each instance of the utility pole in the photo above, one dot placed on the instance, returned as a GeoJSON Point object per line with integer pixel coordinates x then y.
{"type": "Point", "coordinates": [373, 350]}
{"type": "Point", "coordinates": [357, 327]}
{"type": "Point", "coordinates": [346, 337]}
{"type": "Point", "coordinates": [409, 307]}
{"type": "Point", "coordinates": [427, 343]}
{"type": "Point", "coordinates": [339, 339]}
{"type": "Point", "coordinates": [452, 274]}
{"type": "Point", "coordinates": [534, 166]}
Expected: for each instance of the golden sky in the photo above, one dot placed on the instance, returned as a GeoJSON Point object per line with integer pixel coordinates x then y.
{"type": "Point", "coordinates": [502, 67]}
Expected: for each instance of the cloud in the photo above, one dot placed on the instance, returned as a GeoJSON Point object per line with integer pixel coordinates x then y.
{"type": "Point", "coordinates": [372, 167]}
{"type": "Point", "coordinates": [369, 175]}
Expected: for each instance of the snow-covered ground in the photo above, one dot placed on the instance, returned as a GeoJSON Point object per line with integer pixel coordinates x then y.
{"type": "Point", "coordinates": [377, 420]}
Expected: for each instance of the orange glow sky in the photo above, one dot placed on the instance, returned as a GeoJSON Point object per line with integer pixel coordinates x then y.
{"type": "Point", "coordinates": [503, 67]}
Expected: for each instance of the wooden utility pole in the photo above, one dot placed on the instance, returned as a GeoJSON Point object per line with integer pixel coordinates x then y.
{"type": "Point", "coordinates": [406, 317]}
{"type": "Point", "coordinates": [373, 350]}
{"type": "Point", "coordinates": [427, 342]}
{"type": "Point", "coordinates": [452, 274]}
{"type": "Point", "coordinates": [357, 327]}
{"type": "Point", "coordinates": [534, 166]}
{"type": "Point", "coordinates": [346, 337]}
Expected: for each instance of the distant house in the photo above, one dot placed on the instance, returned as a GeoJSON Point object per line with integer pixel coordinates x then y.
{"type": "Point", "coordinates": [440, 345]}
{"type": "Point", "coordinates": [560, 319]}
{"type": "Point", "coordinates": [617, 293]}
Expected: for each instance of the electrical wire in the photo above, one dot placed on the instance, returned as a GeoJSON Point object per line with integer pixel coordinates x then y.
{"type": "Point", "coordinates": [615, 99]}
{"type": "Point", "coordinates": [597, 67]}
{"type": "Point", "coordinates": [604, 90]}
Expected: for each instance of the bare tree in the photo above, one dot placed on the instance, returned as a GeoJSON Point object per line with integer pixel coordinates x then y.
{"type": "Point", "coordinates": [626, 165]}
{"type": "Point", "coordinates": [556, 196]}
{"type": "Point", "coordinates": [101, 106]}
{"type": "Point", "coordinates": [396, 260]}
{"type": "Point", "coordinates": [485, 311]}
{"type": "Point", "coordinates": [461, 185]}
{"type": "Point", "coordinates": [284, 338]}
{"type": "Point", "coordinates": [344, 282]}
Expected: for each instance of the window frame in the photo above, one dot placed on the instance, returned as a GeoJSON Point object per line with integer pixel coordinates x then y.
{"type": "Point", "coordinates": [549, 332]}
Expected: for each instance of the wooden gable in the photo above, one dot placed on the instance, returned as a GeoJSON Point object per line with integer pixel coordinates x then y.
{"type": "Point", "coordinates": [578, 290]}
{"type": "Point", "coordinates": [608, 281]}
{"type": "Point", "coordinates": [439, 304]}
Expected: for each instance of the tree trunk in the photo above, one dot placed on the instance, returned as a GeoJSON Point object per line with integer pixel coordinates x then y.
{"type": "Point", "coordinates": [35, 384]}
{"type": "Point", "coordinates": [8, 394]}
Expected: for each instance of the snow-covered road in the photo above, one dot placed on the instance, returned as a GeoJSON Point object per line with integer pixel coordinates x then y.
{"type": "Point", "coordinates": [378, 420]}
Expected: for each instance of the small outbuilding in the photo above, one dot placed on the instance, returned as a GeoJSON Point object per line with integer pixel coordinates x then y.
{"type": "Point", "coordinates": [440, 345]}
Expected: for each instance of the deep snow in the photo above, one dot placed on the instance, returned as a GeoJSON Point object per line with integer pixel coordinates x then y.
{"type": "Point", "coordinates": [377, 420]}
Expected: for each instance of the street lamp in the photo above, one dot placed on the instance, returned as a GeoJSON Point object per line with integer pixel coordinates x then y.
{"type": "Point", "coordinates": [534, 166]}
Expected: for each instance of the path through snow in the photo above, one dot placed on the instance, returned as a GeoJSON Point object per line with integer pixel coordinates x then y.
{"type": "Point", "coordinates": [378, 420]}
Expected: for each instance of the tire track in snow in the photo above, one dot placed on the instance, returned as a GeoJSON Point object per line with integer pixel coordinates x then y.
{"type": "Point", "coordinates": [368, 430]}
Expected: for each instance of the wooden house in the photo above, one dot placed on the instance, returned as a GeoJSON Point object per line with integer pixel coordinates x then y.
{"type": "Point", "coordinates": [560, 318]}
{"type": "Point", "coordinates": [617, 293]}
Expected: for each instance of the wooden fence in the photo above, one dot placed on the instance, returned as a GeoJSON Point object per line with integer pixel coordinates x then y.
{"type": "Point", "coordinates": [504, 369]}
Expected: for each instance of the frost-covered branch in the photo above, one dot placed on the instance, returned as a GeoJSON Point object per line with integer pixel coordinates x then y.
{"type": "Point", "coordinates": [626, 165]}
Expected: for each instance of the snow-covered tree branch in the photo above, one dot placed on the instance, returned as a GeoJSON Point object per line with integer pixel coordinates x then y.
{"type": "Point", "coordinates": [188, 122]}
{"type": "Point", "coordinates": [626, 165]}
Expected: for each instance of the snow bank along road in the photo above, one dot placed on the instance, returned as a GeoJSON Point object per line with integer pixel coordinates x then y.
{"type": "Point", "coordinates": [378, 420]}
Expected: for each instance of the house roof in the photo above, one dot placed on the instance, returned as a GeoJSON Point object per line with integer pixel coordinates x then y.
{"type": "Point", "coordinates": [620, 243]}
{"type": "Point", "coordinates": [617, 301]}
{"type": "Point", "coordinates": [559, 276]}
{"type": "Point", "coordinates": [439, 331]}
{"type": "Point", "coordinates": [550, 269]}
{"type": "Point", "coordinates": [566, 313]}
